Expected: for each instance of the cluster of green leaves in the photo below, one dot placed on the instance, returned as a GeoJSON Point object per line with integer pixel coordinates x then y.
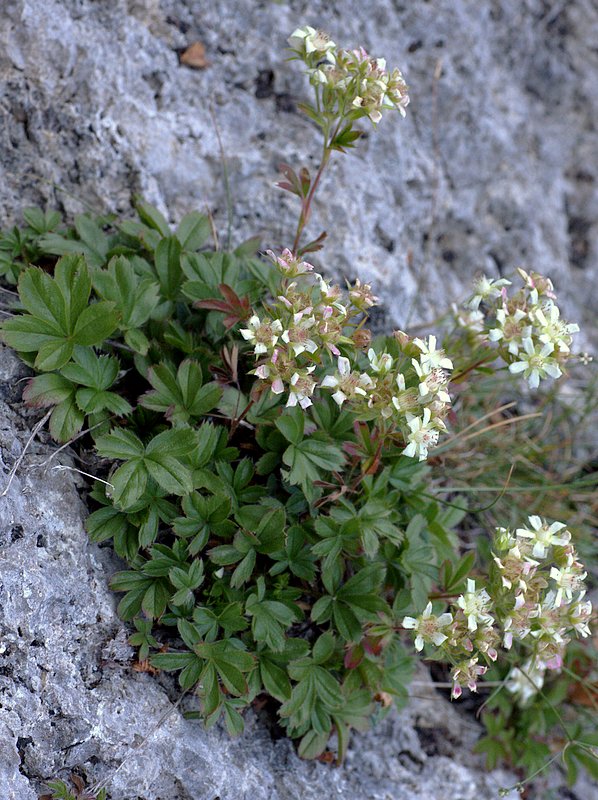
{"type": "Point", "coordinates": [59, 790]}
{"type": "Point", "coordinates": [270, 551]}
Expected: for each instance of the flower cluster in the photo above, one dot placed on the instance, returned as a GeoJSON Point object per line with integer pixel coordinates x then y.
{"type": "Point", "coordinates": [527, 327]}
{"type": "Point", "coordinates": [313, 336]}
{"type": "Point", "coordinates": [535, 596]}
{"type": "Point", "coordinates": [355, 83]}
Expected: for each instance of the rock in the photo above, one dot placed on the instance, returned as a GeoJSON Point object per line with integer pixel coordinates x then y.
{"type": "Point", "coordinates": [494, 167]}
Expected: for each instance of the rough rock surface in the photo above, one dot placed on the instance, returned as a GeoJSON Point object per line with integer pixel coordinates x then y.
{"type": "Point", "coordinates": [494, 167]}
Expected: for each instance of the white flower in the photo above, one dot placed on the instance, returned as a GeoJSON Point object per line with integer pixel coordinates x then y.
{"type": "Point", "coordinates": [431, 358]}
{"type": "Point", "coordinates": [567, 580]}
{"type": "Point", "coordinates": [297, 336]}
{"type": "Point", "coordinates": [407, 400]}
{"type": "Point", "coordinates": [380, 363]}
{"type": "Point", "coordinates": [475, 606]}
{"type": "Point", "coordinates": [544, 536]}
{"type": "Point", "coordinates": [526, 682]}
{"type": "Point", "coordinates": [428, 627]}
{"type": "Point", "coordinates": [263, 334]}
{"type": "Point", "coordinates": [466, 672]}
{"type": "Point", "coordinates": [511, 329]}
{"type": "Point", "coordinates": [288, 264]}
{"type": "Point", "coordinates": [472, 320]}
{"type": "Point", "coordinates": [486, 289]}
{"type": "Point", "coordinates": [347, 383]}
{"type": "Point", "coordinates": [331, 294]}
{"type": "Point", "coordinates": [308, 40]}
{"type": "Point", "coordinates": [579, 616]}
{"type": "Point", "coordinates": [536, 363]}
{"type": "Point", "coordinates": [301, 388]}
{"type": "Point", "coordinates": [424, 434]}
{"type": "Point", "coordinates": [362, 296]}
{"type": "Point", "coordinates": [432, 382]}
{"type": "Point", "coordinates": [553, 330]}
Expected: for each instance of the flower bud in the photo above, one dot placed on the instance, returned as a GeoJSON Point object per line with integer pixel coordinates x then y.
{"type": "Point", "coordinates": [362, 338]}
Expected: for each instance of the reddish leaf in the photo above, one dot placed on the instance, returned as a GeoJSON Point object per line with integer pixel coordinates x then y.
{"type": "Point", "coordinates": [236, 309]}
{"type": "Point", "coordinates": [354, 656]}
{"type": "Point", "coordinates": [313, 246]}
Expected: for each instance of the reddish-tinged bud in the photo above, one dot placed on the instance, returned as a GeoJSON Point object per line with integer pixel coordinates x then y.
{"type": "Point", "coordinates": [362, 338]}
{"type": "Point", "coordinates": [402, 338]}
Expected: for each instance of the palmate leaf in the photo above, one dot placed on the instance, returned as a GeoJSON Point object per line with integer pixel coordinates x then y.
{"type": "Point", "coordinates": [314, 697]}
{"type": "Point", "coordinates": [210, 662]}
{"type": "Point", "coordinates": [310, 460]}
{"type": "Point", "coordinates": [229, 620]}
{"type": "Point", "coordinates": [230, 661]}
{"type": "Point", "coordinates": [354, 603]}
{"type": "Point", "coordinates": [134, 297]}
{"type": "Point", "coordinates": [92, 243]}
{"type": "Point", "coordinates": [270, 619]}
{"type": "Point", "coordinates": [142, 593]}
{"type": "Point", "coordinates": [296, 556]}
{"type": "Point", "coordinates": [50, 389]}
{"type": "Point", "coordinates": [160, 460]}
{"type": "Point", "coordinates": [180, 395]}
{"type": "Point", "coordinates": [58, 317]}
{"type": "Point", "coordinates": [193, 230]}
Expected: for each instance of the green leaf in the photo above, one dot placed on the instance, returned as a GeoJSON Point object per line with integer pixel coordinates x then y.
{"type": "Point", "coordinates": [53, 355]}
{"type": "Point", "coordinates": [232, 719]}
{"type": "Point", "coordinates": [105, 523]}
{"type": "Point", "coordinates": [66, 420]}
{"type": "Point", "coordinates": [291, 425]}
{"type": "Point", "coordinates": [42, 298]}
{"type": "Point", "coordinates": [129, 483]}
{"type": "Point", "coordinates": [313, 744]}
{"type": "Point", "coordinates": [28, 335]}
{"type": "Point", "coordinates": [119, 444]}
{"type": "Point", "coordinates": [155, 599]}
{"type": "Point", "coordinates": [92, 235]}
{"type": "Point", "coordinates": [168, 266]}
{"type": "Point", "coordinates": [193, 230]}
{"type": "Point", "coordinates": [270, 619]}
{"type": "Point", "coordinates": [72, 276]}
{"type": "Point", "coordinates": [180, 395]}
{"type": "Point", "coordinates": [41, 222]}
{"type": "Point", "coordinates": [275, 679]}
{"type": "Point", "coordinates": [95, 324]}
{"type": "Point", "coordinates": [134, 298]}
{"type": "Point", "coordinates": [47, 390]}
{"type": "Point", "coordinates": [137, 341]}
{"type": "Point", "coordinates": [243, 571]}
{"type": "Point", "coordinates": [88, 369]}
{"type": "Point", "coordinates": [169, 473]}
{"type": "Point", "coordinates": [150, 215]}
